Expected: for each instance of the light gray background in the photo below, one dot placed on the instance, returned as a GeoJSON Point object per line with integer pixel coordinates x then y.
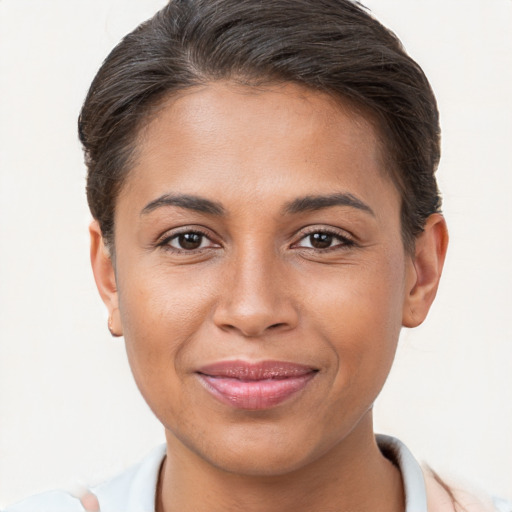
{"type": "Point", "coordinates": [68, 407]}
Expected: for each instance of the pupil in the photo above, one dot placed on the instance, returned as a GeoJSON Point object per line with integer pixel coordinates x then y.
{"type": "Point", "coordinates": [190, 240]}
{"type": "Point", "coordinates": [320, 240]}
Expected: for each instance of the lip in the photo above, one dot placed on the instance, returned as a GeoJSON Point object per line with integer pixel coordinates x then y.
{"type": "Point", "coordinates": [255, 386]}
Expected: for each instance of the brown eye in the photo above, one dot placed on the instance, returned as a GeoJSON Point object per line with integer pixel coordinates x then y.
{"type": "Point", "coordinates": [188, 241]}
{"type": "Point", "coordinates": [321, 240]}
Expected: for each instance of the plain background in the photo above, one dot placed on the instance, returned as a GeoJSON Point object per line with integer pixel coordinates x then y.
{"type": "Point", "coordinates": [68, 408]}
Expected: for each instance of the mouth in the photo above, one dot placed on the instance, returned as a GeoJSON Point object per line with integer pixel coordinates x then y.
{"type": "Point", "coordinates": [255, 386]}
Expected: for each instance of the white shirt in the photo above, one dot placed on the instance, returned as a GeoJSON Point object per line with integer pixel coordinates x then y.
{"type": "Point", "coordinates": [135, 489]}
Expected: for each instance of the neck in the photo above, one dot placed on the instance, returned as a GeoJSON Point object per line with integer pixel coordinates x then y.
{"type": "Point", "coordinates": [354, 475]}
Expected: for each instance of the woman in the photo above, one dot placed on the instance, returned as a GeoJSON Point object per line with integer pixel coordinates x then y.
{"type": "Point", "coordinates": [261, 177]}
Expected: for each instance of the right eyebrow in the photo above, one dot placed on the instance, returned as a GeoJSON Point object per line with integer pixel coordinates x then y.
{"type": "Point", "coordinates": [190, 202]}
{"type": "Point", "coordinates": [319, 202]}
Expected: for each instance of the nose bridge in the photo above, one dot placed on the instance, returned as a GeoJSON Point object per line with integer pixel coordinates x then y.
{"type": "Point", "coordinates": [254, 299]}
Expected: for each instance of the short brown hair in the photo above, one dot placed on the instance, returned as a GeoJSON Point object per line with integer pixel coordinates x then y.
{"type": "Point", "coordinates": [333, 46]}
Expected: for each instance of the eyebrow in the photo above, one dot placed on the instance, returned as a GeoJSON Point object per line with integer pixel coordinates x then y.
{"type": "Point", "coordinates": [312, 203]}
{"type": "Point", "coordinates": [299, 205]}
{"type": "Point", "coordinates": [190, 202]}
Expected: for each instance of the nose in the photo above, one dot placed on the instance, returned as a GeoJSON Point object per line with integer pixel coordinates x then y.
{"type": "Point", "coordinates": [256, 296]}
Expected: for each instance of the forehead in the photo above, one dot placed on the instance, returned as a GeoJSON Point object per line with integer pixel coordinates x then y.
{"type": "Point", "coordinates": [223, 136]}
{"type": "Point", "coordinates": [220, 106]}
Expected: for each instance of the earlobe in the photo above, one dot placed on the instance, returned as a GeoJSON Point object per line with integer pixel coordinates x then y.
{"type": "Point", "coordinates": [424, 271]}
{"type": "Point", "coordinates": [104, 275]}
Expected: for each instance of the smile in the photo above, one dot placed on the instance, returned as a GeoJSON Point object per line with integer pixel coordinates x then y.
{"type": "Point", "coordinates": [255, 386]}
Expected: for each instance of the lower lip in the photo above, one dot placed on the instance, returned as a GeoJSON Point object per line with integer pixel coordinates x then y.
{"type": "Point", "coordinates": [255, 394]}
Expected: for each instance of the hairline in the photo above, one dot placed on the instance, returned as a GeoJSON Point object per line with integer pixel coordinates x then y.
{"type": "Point", "coordinates": [357, 109]}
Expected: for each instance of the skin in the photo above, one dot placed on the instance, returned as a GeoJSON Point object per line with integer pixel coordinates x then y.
{"type": "Point", "coordinates": [257, 289]}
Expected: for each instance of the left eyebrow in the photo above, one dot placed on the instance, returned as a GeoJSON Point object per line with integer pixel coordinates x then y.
{"type": "Point", "coordinates": [312, 203]}
{"type": "Point", "coordinates": [189, 202]}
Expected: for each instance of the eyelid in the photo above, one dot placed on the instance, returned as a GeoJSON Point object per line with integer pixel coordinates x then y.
{"type": "Point", "coordinates": [171, 234]}
{"type": "Point", "coordinates": [346, 239]}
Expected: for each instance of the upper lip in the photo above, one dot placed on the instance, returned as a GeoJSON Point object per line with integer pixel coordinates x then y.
{"type": "Point", "coordinates": [249, 371]}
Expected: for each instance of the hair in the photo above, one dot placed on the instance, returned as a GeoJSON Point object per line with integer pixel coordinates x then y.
{"type": "Point", "coordinates": [332, 46]}
{"type": "Point", "coordinates": [457, 506]}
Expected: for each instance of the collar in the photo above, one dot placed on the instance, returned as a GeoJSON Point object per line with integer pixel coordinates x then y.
{"type": "Point", "coordinates": [135, 489]}
{"type": "Point", "coordinates": [412, 474]}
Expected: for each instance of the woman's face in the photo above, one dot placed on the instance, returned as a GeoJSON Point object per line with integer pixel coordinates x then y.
{"type": "Point", "coordinates": [261, 276]}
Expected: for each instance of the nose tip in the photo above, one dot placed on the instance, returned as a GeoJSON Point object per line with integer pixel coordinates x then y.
{"type": "Point", "coordinates": [252, 326]}
{"type": "Point", "coordinates": [252, 318]}
{"type": "Point", "coordinates": [255, 304]}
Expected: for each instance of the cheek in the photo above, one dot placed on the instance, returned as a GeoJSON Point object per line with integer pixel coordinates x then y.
{"type": "Point", "coordinates": [162, 312]}
{"type": "Point", "coordinates": [358, 312]}
{"type": "Point", "coordinates": [365, 296]}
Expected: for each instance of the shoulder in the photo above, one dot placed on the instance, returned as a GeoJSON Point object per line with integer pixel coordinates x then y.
{"type": "Point", "coordinates": [502, 505]}
{"type": "Point", "coordinates": [133, 490]}
{"type": "Point", "coordinates": [426, 491]}
{"type": "Point", "coordinates": [54, 501]}
{"type": "Point", "coordinates": [445, 495]}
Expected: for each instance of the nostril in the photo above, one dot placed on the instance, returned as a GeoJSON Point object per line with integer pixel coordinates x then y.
{"type": "Point", "coordinates": [254, 319]}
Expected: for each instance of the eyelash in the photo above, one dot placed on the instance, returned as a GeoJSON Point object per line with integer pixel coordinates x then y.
{"type": "Point", "coordinates": [165, 242]}
{"type": "Point", "coordinates": [344, 241]}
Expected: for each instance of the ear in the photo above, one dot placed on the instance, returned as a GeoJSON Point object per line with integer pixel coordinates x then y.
{"type": "Point", "coordinates": [104, 275]}
{"type": "Point", "coordinates": [424, 271]}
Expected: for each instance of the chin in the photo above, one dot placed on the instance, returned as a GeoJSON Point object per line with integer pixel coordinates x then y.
{"type": "Point", "coordinates": [261, 450]}
{"type": "Point", "coordinates": [268, 463]}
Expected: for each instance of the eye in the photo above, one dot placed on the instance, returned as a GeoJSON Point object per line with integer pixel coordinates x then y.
{"type": "Point", "coordinates": [188, 241]}
{"type": "Point", "coordinates": [321, 240]}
